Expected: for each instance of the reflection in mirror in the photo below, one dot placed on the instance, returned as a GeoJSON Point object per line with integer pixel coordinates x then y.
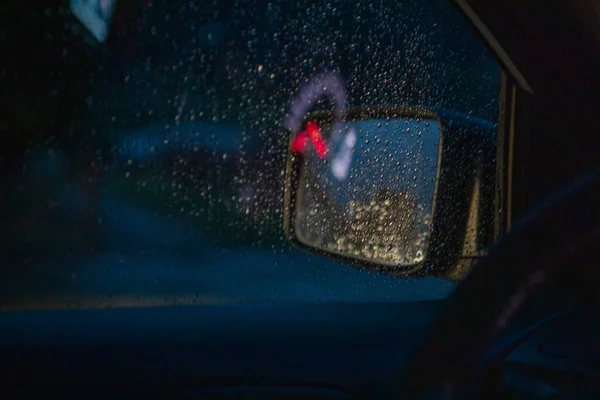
{"type": "Point", "coordinates": [366, 188]}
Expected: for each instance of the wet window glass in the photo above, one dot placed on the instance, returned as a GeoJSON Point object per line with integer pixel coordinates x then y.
{"type": "Point", "coordinates": [374, 197]}
{"type": "Point", "coordinates": [157, 177]}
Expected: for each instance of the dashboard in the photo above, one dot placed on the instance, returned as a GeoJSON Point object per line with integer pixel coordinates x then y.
{"type": "Point", "coordinates": [308, 351]}
{"type": "Point", "coordinates": [278, 351]}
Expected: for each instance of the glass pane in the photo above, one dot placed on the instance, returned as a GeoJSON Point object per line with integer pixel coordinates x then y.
{"type": "Point", "coordinates": [162, 180]}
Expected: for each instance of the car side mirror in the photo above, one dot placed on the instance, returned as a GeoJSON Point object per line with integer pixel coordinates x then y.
{"type": "Point", "coordinates": [364, 189]}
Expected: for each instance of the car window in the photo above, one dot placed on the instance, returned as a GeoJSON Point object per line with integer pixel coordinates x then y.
{"type": "Point", "coordinates": [165, 183]}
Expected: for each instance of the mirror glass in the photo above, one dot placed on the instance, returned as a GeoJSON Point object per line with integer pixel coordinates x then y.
{"type": "Point", "coordinates": [366, 187]}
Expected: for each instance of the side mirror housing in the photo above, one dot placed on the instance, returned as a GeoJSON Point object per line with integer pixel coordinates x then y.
{"type": "Point", "coordinates": [396, 190]}
{"type": "Point", "coordinates": [364, 189]}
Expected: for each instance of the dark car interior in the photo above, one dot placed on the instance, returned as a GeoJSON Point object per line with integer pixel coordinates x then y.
{"type": "Point", "coordinates": [522, 324]}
